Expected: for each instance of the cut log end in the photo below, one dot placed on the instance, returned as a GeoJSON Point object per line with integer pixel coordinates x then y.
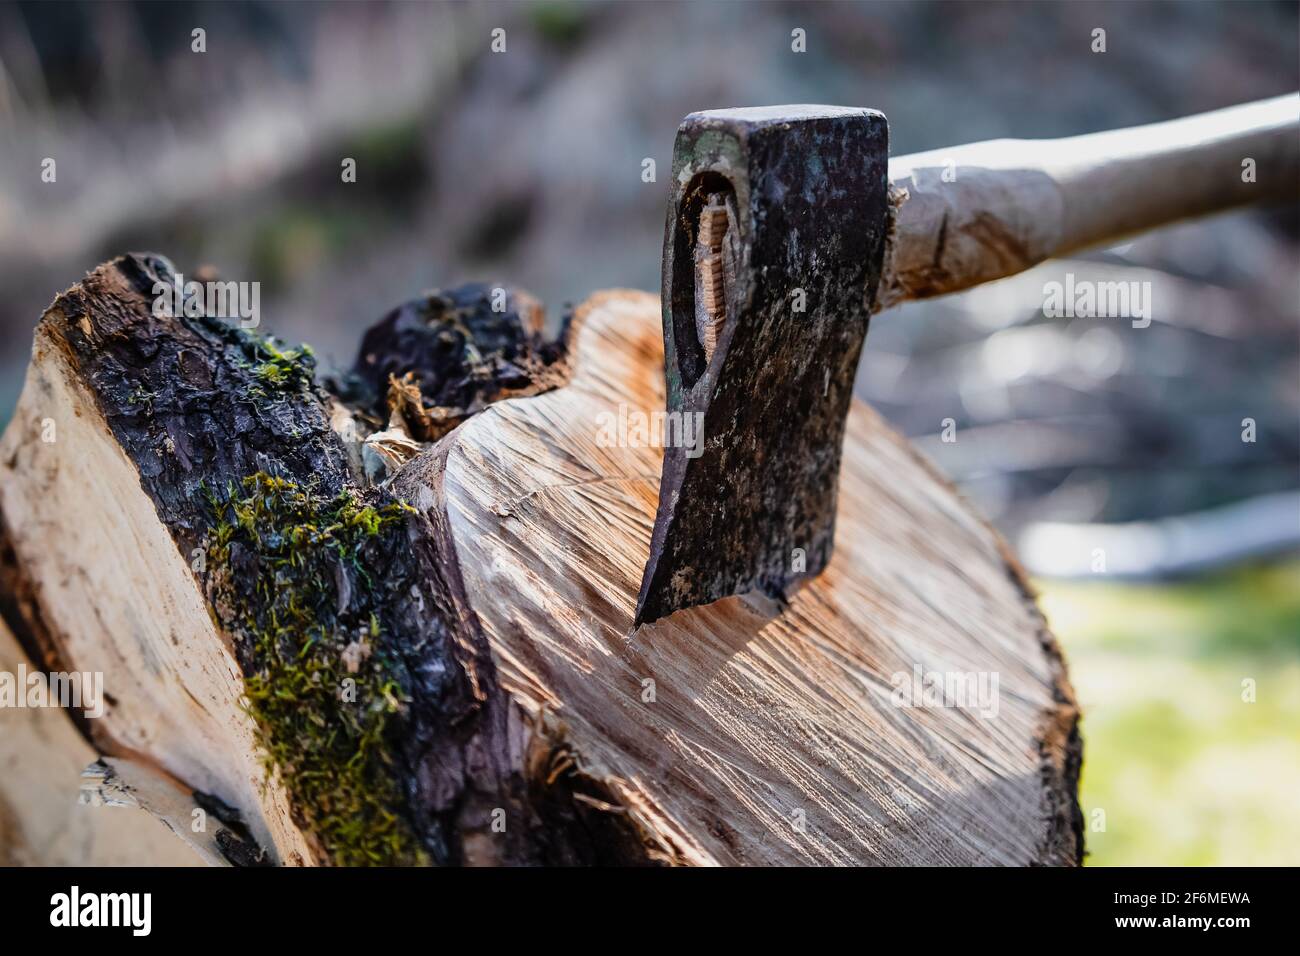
{"type": "Point", "coordinates": [435, 662]}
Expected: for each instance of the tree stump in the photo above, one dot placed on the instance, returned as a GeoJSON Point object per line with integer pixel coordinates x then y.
{"type": "Point", "coordinates": [391, 621]}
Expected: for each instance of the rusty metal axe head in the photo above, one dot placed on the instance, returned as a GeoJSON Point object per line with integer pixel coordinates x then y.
{"type": "Point", "coordinates": [772, 255]}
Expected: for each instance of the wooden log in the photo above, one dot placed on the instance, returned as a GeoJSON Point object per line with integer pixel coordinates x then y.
{"type": "Point", "coordinates": [762, 718]}
{"type": "Point", "coordinates": [436, 663]}
{"type": "Point", "coordinates": [42, 820]}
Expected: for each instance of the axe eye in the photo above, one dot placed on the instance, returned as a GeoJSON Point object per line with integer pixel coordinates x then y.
{"type": "Point", "coordinates": [710, 274]}
{"type": "Point", "coordinates": [706, 240]}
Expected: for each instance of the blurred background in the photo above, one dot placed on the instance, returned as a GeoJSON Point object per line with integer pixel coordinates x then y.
{"type": "Point", "coordinates": [525, 167]}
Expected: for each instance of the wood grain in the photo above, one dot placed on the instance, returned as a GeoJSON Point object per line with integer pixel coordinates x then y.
{"type": "Point", "coordinates": [772, 736]}
{"type": "Point", "coordinates": [41, 822]}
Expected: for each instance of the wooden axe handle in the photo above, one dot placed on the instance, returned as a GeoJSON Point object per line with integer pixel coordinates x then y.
{"type": "Point", "coordinates": [970, 214]}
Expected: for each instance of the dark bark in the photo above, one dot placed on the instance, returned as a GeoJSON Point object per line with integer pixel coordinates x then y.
{"type": "Point", "coordinates": [458, 350]}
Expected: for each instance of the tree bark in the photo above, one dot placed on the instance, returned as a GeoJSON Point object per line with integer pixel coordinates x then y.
{"type": "Point", "coordinates": [391, 621]}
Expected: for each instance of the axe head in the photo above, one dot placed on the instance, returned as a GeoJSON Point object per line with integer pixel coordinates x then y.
{"type": "Point", "coordinates": [772, 254]}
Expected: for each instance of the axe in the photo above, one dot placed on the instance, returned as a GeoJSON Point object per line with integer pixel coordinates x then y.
{"type": "Point", "coordinates": [789, 226]}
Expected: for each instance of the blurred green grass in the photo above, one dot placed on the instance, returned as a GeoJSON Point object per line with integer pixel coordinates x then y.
{"type": "Point", "coordinates": [1181, 768]}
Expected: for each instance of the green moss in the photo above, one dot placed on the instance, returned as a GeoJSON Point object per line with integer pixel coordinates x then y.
{"type": "Point", "coordinates": [322, 711]}
{"type": "Point", "coordinates": [277, 369]}
{"type": "Point", "coordinates": [141, 396]}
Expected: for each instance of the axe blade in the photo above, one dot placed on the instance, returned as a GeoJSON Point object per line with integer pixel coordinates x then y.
{"type": "Point", "coordinates": [772, 255]}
